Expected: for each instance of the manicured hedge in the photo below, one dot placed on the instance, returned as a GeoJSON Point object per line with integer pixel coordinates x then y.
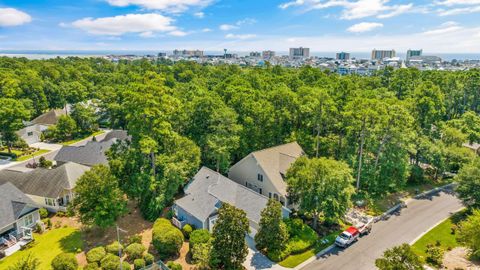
{"type": "Point", "coordinates": [149, 259]}
{"type": "Point", "coordinates": [135, 251]}
{"type": "Point", "coordinates": [200, 236]}
{"type": "Point", "coordinates": [174, 266]}
{"type": "Point", "coordinates": [114, 248]}
{"type": "Point", "coordinates": [112, 262]}
{"type": "Point", "coordinates": [167, 239]}
{"type": "Point", "coordinates": [139, 264]}
{"type": "Point", "coordinates": [96, 254]}
{"type": "Point", "coordinates": [65, 261]}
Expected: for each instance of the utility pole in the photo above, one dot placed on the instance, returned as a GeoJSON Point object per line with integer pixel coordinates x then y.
{"type": "Point", "coordinates": [119, 245]}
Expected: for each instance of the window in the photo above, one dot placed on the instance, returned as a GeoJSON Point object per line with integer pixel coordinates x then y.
{"type": "Point", "coordinates": [275, 196]}
{"type": "Point", "coordinates": [260, 177]}
{"type": "Point", "coordinates": [260, 191]}
{"type": "Point", "coordinates": [50, 202]}
{"type": "Point", "coordinates": [269, 195]}
{"type": "Point", "coordinates": [30, 133]}
{"type": "Point", "coordinates": [28, 220]}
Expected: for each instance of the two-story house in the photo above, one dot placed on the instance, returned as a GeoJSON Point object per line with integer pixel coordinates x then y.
{"type": "Point", "coordinates": [264, 171]}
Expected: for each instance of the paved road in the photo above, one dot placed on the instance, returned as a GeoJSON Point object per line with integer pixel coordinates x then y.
{"type": "Point", "coordinates": [405, 227]}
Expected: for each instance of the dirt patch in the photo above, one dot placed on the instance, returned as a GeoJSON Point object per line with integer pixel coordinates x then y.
{"type": "Point", "coordinates": [66, 221]}
{"type": "Point", "coordinates": [184, 258]}
{"type": "Point", "coordinates": [457, 259]}
{"type": "Point", "coordinates": [131, 224]}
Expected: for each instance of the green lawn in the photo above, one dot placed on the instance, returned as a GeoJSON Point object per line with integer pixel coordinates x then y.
{"type": "Point", "coordinates": [27, 157]}
{"type": "Point", "coordinates": [83, 138]}
{"type": "Point", "coordinates": [294, 260]}
{"type": "Point", "coordinates": [47, 246]}
{"type": "Point", "coordinates": [441, 233]}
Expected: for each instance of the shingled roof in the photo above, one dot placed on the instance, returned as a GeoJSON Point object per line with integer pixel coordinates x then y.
{"type": "Point", "coordinates": [12, 203]}
{"type": "Point", "coordinates": [49, 118]}
{"type": "Point", "coordinates": [91, 154]}
{"type": "Point", "coordinates": [209, 187]}
{"type": "Point", "coordinates": [49, 183]}
{"type": "Point", "coordinates": [275, 161]}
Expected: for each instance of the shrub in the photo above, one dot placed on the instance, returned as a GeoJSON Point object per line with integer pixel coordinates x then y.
{"type": "Point", "coordinates": [65, 261]}
{"type": "Point", "coordinates": [200, 236]}
{"type": "Point", "coordinates": [135, 251]}
{"type": "Point", "coordinates": [149, 259]}
{"type": "Point", "coordinates": [43, 213]}
{"type": "Point", "coordinates": [91, 266]}
{"type": "Point", "coordinates": [112, 262]}
{"type": "Point", "coordinates": [96, 254]}
{"type": "Point", "coordinates": [434, 255]}
{"type": "Point", "coordinates": [137, 238]}
{"type": "Point", "coordinates": [187, 230]}
{"type": "Point", "coordinates": [114, 248]}
{"type": "Point", "coordinates": [174, 266]}
{"type": "Point", "coordinates": [138, 264]}
{"type": "Point", "coordinates": [39, 227]}
{"type": "Point", "coordinates": [302, 236]}
{"type": "Point", "coordinates": [167, 239]}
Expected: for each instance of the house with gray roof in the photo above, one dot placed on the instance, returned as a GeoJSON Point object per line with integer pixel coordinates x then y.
{"type": "Point", "coordinates": [33, 130]}
{"type": "Point", "coordinates": [93, 153]}
{"type": "Point", "coordinates": [205, 194]}
{"type": "Point", "coordinates": [18, 214]}
{"type": "Point", "coordinates": [264, 171]}
{"type": "Point", "coordinates": [49, 188]}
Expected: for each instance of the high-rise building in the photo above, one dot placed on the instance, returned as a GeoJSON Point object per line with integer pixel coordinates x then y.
{"type": "Point", "coordinates": [299, 53]}
{"type": "Point", "coordinates": [382, 54]}
{"type": "Point", "coordinates": [343, 56]}
{"type": "Point", "coordinates": [268, 55]}
{"type": "Point", "coordinates": [413, 53]}
{"type": "Point", "coordinates": [188, 53]}
{"type": "Point", "coordinates": [255, 54]}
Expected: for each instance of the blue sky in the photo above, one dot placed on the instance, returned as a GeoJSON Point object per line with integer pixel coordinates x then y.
{"type": "Point", "coordinates": [446, 26]}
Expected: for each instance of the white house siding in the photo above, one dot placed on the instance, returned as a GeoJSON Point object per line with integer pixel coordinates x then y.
{"type": "Point", "coordinates": [246, 171]}
{"type": "Point", "coordinates": [29, 220]}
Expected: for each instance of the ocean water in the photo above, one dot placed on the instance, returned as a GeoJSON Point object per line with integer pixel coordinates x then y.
{"type": "Point", "coordinates": [43, 54]}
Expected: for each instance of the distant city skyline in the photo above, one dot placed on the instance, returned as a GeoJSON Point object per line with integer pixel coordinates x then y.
{"type": "Point", "coordinates": [444, 26]}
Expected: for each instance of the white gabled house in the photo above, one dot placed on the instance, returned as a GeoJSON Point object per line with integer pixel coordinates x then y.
{"type": "Point", "coordinates": [264, 171]}
{"type": "Point", "coordinates": [52, 188]}
{"type": "Point", "coordinates": [18, 215]}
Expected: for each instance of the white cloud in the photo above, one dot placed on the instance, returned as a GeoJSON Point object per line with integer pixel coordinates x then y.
{"type": "Point", "coordinates": [458, 11]}
{"type": "Point", "coordinates": [444, 28]}
{"type": "Point", "coordinates": [178, 33]}
{"type": "Point", "coordinates": [206, 30]}
{"type": "Point", "coordinates": [164, 5]}
{"type": "Point", "coordinates": [199, 15]}
{"type": "Point", "coordinates": [130, 23]}
{"type": "Point", "coordinates": [246, 21]}
{"type": "Point", "coordinates": [228, 27]}
{"type": "Point", "coordinates": [354, 9]}
{"type": "Point", "coordinates": [364, 27]}
{"type": "Point", "coordinates": [147, 34]}
{"type": "Point", "coordinates": [13, 17]}
{"type": "Point", "coordinates": [242, 37]}
{"type": "Point", "coordinates": [458, 2]}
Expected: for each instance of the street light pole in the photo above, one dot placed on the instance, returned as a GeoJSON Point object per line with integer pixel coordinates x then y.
{"type": "Point", "coordinates": [119, 247]}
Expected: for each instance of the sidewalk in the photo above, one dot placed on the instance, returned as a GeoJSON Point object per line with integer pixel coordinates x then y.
{"type": "Point", "coordinates": [256, 260]}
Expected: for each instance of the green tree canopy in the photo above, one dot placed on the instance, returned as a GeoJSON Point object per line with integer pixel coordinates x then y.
{"type": "Point", "coordinates": [320, 186]}
{"type": "Point", "coordinates": [229, 248]}
{"type": "Point", "coordinates": [98, 199]}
